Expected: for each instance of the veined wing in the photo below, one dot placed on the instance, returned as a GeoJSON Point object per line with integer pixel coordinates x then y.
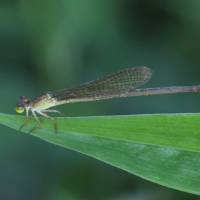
{"type": "Point", "coordinates": [119, 81]}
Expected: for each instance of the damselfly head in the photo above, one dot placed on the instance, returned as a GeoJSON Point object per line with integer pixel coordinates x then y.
{"type": "Point", "coordinates": [21, 104]}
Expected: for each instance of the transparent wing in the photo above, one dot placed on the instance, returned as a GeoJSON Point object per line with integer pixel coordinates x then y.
{"type": "Point", "coordinates": [119, 81]}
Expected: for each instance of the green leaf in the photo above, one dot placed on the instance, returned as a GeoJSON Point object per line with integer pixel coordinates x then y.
{"type": "Point", "coordinates": [162, 148]}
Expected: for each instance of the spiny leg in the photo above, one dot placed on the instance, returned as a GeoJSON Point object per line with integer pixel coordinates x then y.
{"type": "Point", "coordinates": [26, 120]}
{"type": "Point", "coordinates": [54, 111]}
{"type": "Point", "coordinates": [47, 116]}
{"type": "Point", "coordinates": [36, 120]}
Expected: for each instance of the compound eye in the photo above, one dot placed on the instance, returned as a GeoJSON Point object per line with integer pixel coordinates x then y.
{"type": "Point", "coordinates": [19, 109]}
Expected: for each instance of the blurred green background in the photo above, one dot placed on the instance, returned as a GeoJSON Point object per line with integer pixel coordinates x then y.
{"type": "Point", "coordinates": [49, 45]}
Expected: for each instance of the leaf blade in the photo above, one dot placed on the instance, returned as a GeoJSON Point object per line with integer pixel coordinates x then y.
{"type": "Point", "coordinates": [163, 148]}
